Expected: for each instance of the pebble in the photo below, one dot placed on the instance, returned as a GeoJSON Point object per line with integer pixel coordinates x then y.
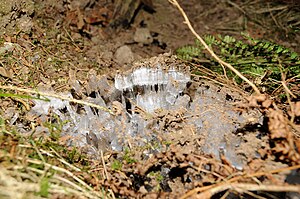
{"type": "Point", "coordinates": [124, 55]}
{"type": "Point", "coordinates": [143, 36]}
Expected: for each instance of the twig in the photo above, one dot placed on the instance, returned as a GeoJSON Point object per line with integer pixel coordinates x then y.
{"type": "Point", "coordinates": [60, 159]}
{"type": "Point", "coordinates": [26, 90]}
{"type": "Point", "coordinates": [73, 42]}
{"type": "Point", "coordinates": [57, 177]}
{"type": "Point", "coordinates": [54, 188]}
{"type": "Point", "coordinates": [220, 83]}
{"type": "Point", "coordinates": [104, 166]}
{"type": "Point", "coordinates": [199, 189]}
{"type": "Point", "coordinates": [27, 107]}
{"type": "Point", "coordinates": [275, 21]}
{"type": "Point", "coordinates": [287, 89]}
{"type": "Point", "coordinates": [38, 152]}
{"type": "Point", "coordinates": [278, 8]}
{"type": "Point", "coordinates": [187, 21]}
{"type": "Point", "coordinates": [225, 195]}
{"type": "Point", "coordinates": [65, 171]}
{"type": "Point", "coordinates": [288, 93]}
{"type": "Point", "coordinates": [237, 6]}
{"type": "Point", "coordinates": [254, 195]}
{"type": "Point", "coordinates": [243, 187]}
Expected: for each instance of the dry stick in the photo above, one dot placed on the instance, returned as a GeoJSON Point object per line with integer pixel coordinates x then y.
{"type": "Point", "coordinates": [209, 72]}
{"type": "Point", "coordinates": [253, 195]}
{"type": "Point", "coordinates": [199, 189]}
{"type": "Point", "coordinates": [57, 96]}
{"type": "Point", "coordinates": [55, 189]}
{"type": "Point", "coordinates": [59, 158]}
{"type": "Point", "coordinates": [57, 177]}
{"type": "Point", "coordinates": [104, 166]}
{"type": "Point", "coordinates": [65, 171]}
{"type": "Point", "coordinates": [187, 21]}
{"type": "Point", "coordinates": [73, 42]}
{"type": "Point", "coordinates": [287, 89]}
{"type": "Point", "coordinates": [220, 83]}
{"type": "Point", "coordinates": [242, 187]}
{"type": "Point", "coordinates": [225, 195]}
{"type": "Point", "coordinates": [36, 149]}
{"type": "Point", "coordinates": [27, 107]}
{"type": "Point", "coordinates": [288, 93]}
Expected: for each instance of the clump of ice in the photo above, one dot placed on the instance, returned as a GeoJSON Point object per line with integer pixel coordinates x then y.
{"type": "Point", "coordinates": [150, 76]}
{"type": "Point", "coordinates": [142, 91]}
{"type": "Point", "coordinates": [151, 88]}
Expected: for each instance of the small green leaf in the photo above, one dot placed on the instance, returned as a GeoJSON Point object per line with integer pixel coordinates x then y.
{"type": "Point", "coordinates": [285, 51]}
{"type": "Point", "coordinates": [244, 46]}
{"type": "Point", "coordinates": [44, 187]}
{"type": "Point", "coordinates": [270, 48]}
{"type": "Point", "coordinates": [279, 49]}
{"type": "Point", "coordinates": [266, 45]}
{"type": "Point", "coordinates": [294, 55]}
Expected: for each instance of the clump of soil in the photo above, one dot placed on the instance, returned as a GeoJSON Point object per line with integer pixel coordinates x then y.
{"type": "Point", "coordinates": [55, 45]}
{"type": "Point", "coordinates": [16, 16]}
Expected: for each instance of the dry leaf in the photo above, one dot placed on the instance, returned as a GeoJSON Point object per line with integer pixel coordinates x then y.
{"type": "Point", "coordinates": [5, 73]}
{"type": "Point", "coordinates": [297, 109]}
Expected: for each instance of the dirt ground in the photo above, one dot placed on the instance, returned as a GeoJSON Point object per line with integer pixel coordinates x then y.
{"type": "Point", "coordinates": [49, 44]}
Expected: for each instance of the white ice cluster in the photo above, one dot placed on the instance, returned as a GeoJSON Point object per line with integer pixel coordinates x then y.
{"type": "Point", "coordinates": [151, 88]}
{"type": "Point", "coordinates": [148, 76]}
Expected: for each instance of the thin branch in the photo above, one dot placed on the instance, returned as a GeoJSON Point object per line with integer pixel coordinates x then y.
{"type": "Point", "coordinates": [187, 21]}
{"type": "Point", "coordinates": [235, 179]}
{"type": "Point", "coordinates": [26, 90]}
{"type": "Point", "coordinates": [244, 187]}
{"type": "Point", "coordinates": [104, 166]}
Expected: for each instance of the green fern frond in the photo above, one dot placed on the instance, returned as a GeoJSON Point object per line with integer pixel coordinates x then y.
{"type": "Point", "coordinates": [188, 52]}
{"type": "Point", "coordinates": [251, 56]}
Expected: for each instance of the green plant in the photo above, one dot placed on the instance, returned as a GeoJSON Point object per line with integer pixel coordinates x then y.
{"type": "Point", "coordinates": [258, 60]}
{"type": "Point", "coordinates": [12, 95]}
{"type": "Point", "coordinates": [128, 156]}
{"type": "Point", "coordinates": [2, 125]}
{"type": "Point", "coordinates": [44, 187]}
{"type": "Point", "coordinates": [157, 176]}
{"type": "Point", "coordinates": [116, 165]}
{"type": "Point", "coordinates": [55, 126]}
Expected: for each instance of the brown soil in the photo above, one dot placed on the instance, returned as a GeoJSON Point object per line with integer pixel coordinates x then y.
{"type": "Point", "coordinates": [50, 44]}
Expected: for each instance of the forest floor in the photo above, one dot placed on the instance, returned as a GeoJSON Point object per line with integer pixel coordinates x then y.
{"type": "Point", "coordinates": [45, 45]}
